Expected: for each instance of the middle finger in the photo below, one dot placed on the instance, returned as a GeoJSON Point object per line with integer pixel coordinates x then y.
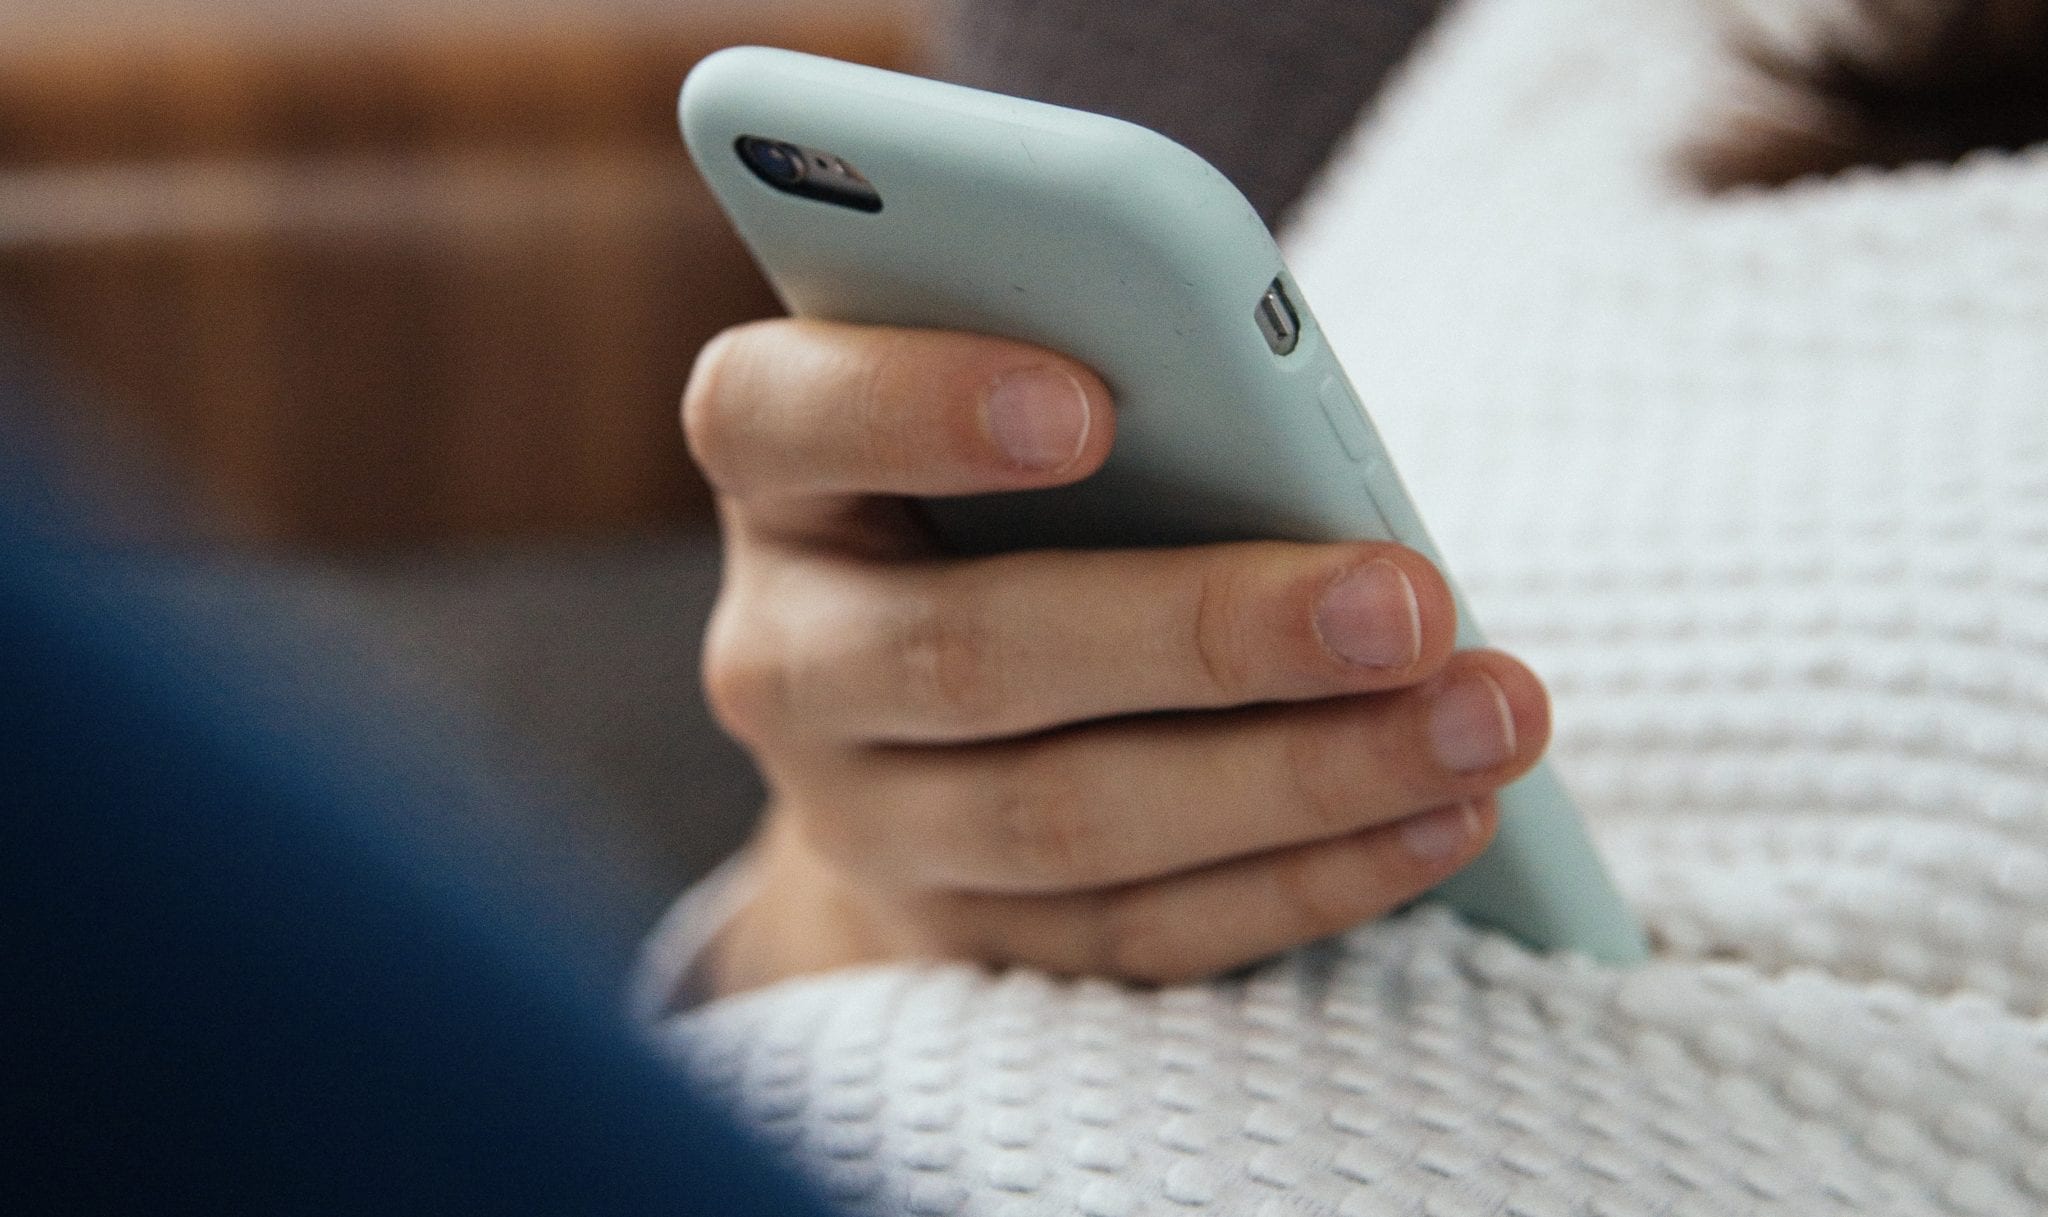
{"type": "Point", "coordinates": [1019, 643]}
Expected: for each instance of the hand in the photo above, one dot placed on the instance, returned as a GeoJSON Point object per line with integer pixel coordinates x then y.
{"type": "Point", "coordinates": [1151, 764]}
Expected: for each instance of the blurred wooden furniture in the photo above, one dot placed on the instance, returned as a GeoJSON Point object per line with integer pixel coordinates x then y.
{"type": "Point", "coordinates": [386, 270]}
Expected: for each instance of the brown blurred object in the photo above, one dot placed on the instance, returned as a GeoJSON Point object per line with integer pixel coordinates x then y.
{"type": "Point", "coordinates": [385, 270]}
{"type": "Point", "coordinates": [1878, 83]}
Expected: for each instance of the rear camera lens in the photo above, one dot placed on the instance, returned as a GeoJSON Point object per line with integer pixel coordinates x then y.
{"type": "Point", "coordinates": [807, 173]}
{"type": "Point", "coordinates": [779, 164]}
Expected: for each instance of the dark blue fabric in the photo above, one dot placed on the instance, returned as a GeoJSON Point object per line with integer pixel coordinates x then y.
{"type": "Point", "coordinates": [233, 984]}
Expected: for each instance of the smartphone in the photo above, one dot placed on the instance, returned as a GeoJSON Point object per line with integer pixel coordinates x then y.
{"type": "Point", "coordinates": [876, 197]}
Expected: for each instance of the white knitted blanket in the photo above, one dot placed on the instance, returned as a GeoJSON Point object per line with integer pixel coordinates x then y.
{"type": "Point", "coordinates": [1760, 484]}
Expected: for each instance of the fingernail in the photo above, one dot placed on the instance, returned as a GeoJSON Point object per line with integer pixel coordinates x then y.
{"type": "Point", "coordinates": [1440, 835]}
{"type": "Point", "coordinates": [1470, 726]}
{"type": "Point", "coordinates": [1370, 617]}
{"type": "Point", "coordinates": [1038, 417]}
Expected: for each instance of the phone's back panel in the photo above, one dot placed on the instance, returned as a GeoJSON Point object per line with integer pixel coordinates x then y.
{"type": "Point", "coordinates": [1082, 234]}
{"type": "Point", "coordinates": [1115, 245]}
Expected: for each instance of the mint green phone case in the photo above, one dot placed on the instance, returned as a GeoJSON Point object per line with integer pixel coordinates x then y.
{"type": "Point", "coordinates": [1114, 244]}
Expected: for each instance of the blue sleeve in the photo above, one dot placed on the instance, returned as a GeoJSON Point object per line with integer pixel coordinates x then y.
{"type": "Point", "coordinates": [233, 986]}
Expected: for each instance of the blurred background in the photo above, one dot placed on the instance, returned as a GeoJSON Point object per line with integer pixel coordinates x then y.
{"type": "Point", "coordinates": [376, 314]}
{"type": "Point", "coordinates": [370, 318]}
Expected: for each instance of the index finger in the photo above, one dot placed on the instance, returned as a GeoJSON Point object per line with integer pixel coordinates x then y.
{"type": "Point", "coordinates": [798, 408]}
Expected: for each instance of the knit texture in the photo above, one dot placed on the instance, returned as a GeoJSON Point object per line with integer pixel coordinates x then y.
{"type": "Point", "coordinates": [1760, 484]}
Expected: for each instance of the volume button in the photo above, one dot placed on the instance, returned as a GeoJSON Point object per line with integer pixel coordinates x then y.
{"type": "Point", "coordinates": [1347, 418]}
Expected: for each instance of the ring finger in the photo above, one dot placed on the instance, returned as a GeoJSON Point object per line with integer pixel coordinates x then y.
{"type": "Point", "coordinates": [1134, 799]}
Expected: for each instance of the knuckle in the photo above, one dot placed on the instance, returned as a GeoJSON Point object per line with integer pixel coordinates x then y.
{"type": "Point", "coordinates": [946, 653]}
{"type": "Point", "coordinates": [1217, 630]}
{"type": "Point", "coordinates": [1046, 836]}
{"type": "Point", "coordinates": [746, 684]}
{"type": "Point", "coordinates": [1311, 904]}
{"type": "Point", "coordinates": [1316, 769]}
{"type": "Point", "coordinates": [888, 440]}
